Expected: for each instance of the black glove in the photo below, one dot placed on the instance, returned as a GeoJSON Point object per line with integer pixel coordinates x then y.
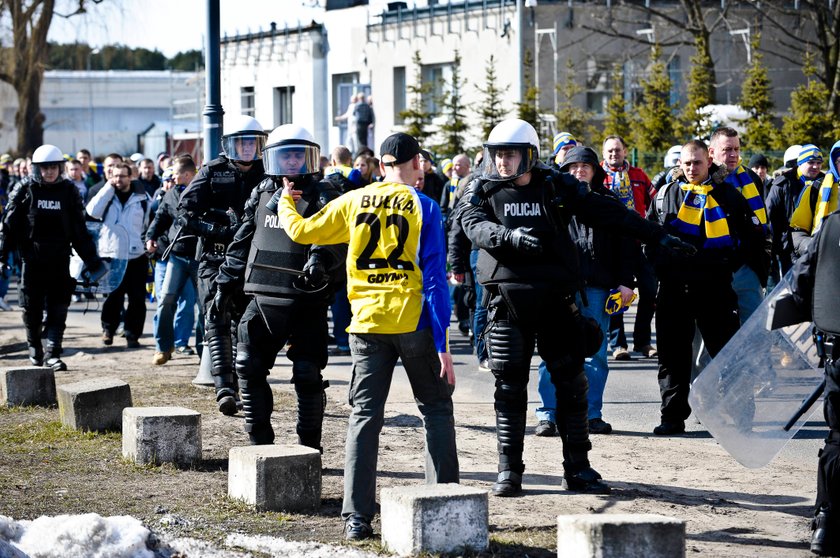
{"type": "Point", "coordinates": [96, 271]}
{"type": "Point", "coordinates": [314, 273]}
{"type": "Point", "coordinates": [676, 245]}
{"type": "Point", "coordinates": [274, 201]}
{"type": "Point", "coordinates": [522, 240]}
{"type": "Point", "coordinates": [5, 271]}
{"type": "Point", "coordinates": [219, 307]}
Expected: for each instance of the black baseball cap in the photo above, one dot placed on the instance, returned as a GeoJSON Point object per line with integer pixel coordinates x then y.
{"type": "Point", "coordinates": [397, 149]}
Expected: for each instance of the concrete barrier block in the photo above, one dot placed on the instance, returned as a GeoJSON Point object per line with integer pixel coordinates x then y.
{"type": "Point", "coordinates": [32, 385]}
{"type": "Point", "coordinates": [434, 518]}
{"type": "Point", "coordinates": [276, 478]}
{"type": "Point", "coordinates": [620, 536]}
{"type": "Point", "coordinates": [161, 435]}
{"type": "Point", "coordinates": [94, 404]}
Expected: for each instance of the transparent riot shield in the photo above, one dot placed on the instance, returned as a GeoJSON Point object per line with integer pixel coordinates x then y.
{"type": "Point", "coordinates": [748, 393]}
{"type": "Point", "coordinates": [105, 284]}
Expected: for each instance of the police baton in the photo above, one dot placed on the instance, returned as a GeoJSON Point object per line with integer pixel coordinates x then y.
{"type": "Point", "coordinates": [297, 283]}
{"type": "Point", "coordinates": [806, 404]}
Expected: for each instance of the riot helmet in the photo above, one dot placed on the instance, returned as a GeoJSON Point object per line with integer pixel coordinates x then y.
{"type": "Point", "coordinates": [244, 139]}
{"type": "Point", "coordinates": [791, 155]}
{"type": "Point", "coordinates": [291, 151]}
{"type": "Point", "coordinates": [511, 150]}
{"type": "Point", "coordinates": [45, 158]}
{"type": "Point", "coordinates": [672, 158]}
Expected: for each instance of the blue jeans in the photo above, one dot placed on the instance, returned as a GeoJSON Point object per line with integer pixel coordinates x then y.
{"type": "Point", "coordinates": [480, 314]}
{"type": "Point", "coordinates": [374, 358]}
{"type": "Point", "coordinates": [595, 367]}
{"type": "Point", "coordinates": [175, 316]}
{"type": "Point", "coordinates": [341, 315]}
{"type": "Point", "coordinates": [747, 287]}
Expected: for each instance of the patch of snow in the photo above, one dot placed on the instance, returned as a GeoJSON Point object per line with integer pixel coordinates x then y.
{"type": "Point", "coordinates": [89, 535]}
{"type": "Point", "coordinates": [278, 547]}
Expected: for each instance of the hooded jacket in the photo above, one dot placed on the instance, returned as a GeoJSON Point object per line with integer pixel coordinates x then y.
{"type": "Point", "coordinates": [123, 225]}
{"type": "Point", "coordinates": [606, 259]}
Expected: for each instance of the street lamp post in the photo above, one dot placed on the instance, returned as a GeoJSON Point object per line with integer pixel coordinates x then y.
{"type": "Point", "coordinates": [90, 103]}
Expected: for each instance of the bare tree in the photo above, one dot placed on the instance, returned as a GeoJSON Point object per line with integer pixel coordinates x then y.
{"type": "Point", "coordinates": [812, 28]}
{"type": "Point", "coordinates": [25, 60]}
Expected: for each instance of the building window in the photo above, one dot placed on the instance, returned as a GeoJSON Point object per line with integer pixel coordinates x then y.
{"type": "Point", "coordinates": [283, 105]}
{"type": "Point", "coordinates": [598, 84]}
{"type": "Point", "coordinates": [246, 96]}
{"type": "Point", "coordinates": [344, 86]}
{"type": "Point", "coordinates": [439, 75]}
{"type": "Point", "coordinates": [399, 93]}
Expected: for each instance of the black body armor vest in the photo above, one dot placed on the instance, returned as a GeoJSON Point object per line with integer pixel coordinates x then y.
{"type": "Point", "coordinates": [826, 302]}
{"type": "Point", "coordinates": [529, 206]}
{"type": "Point", "coordinates": [49, 212]}
{"type": "Point", "coordinates": [271, 246]}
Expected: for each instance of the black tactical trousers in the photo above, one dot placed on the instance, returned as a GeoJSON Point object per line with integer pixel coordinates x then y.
{"type": "Point", "coordinates": [828, 474]}
{"type": "Point", "coordinates": [265, 328]}
{"type": "Point", "coordinates": [45, 286]}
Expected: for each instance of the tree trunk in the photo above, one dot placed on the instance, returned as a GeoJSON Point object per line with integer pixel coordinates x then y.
{"type": "Point", "coordinates": [29, 118]}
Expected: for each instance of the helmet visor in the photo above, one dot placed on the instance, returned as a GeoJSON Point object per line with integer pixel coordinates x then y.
{"type": "Point", "coordinates": [245, 147]}
{"type": "Point", "coordinates": [47, 173]}
{"type": "Point", "coordinates": [507, 161]}
{"type": "Point", "coordinates": [293, 158]}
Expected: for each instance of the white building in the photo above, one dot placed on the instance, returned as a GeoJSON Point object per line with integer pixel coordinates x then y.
{"type": "Point", "coordinates": [108, 111]}
{"type": "Point", "coordinates": [307, 74]}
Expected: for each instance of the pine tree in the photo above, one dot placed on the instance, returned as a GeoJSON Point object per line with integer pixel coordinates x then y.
{"type": "Point", "coordinates": [699, 93]}
{"type": "Point", "coordinates": [528, 110]}
{"type": "Point", "coordinates": [808, 121]}
{"type": "Point", "coordinates": [655, 129]}
{"type": "Point", "coordinates": [617, 121]}
{"type": "Point", "coordinates": [454, 127]}
{"type": "Point", "coordinates": [760, 133]}
{"type": "Point", "coordinates": [491, 111]}
{"type": "Point", "coordinates": [570, 117]}
{"type": "Point", "coordinates": [415, 118]}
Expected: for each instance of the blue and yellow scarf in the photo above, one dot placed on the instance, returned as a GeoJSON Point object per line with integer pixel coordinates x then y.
{"type": "Point", "coordinates": [699, 209]}
{"type": "Point", "coordinates": [741, 180]}
{"type": "Point", "coordinates": [618, 181]}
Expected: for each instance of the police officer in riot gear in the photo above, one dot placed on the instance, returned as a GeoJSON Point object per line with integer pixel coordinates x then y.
{"type": "Point", "coordinates": [211, 208]}
{"type": "Point", "coordinates": [284, 306]}
{"type": "Point", "coordinates": [517, 213]}
{"type": "Point", "coordinates": [44, 218]}
{"type": "Point", "coordinates": [816, 292]}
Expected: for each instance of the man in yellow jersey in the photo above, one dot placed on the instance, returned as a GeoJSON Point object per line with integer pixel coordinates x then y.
{"type": "Point", "coordinates": [396, 283]}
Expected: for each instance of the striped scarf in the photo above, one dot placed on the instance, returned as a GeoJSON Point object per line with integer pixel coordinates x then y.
{"type": "Point", "coordinates": [618, 181]}
{"type": "Point", "coordinates": [826, 201]}
{"type": "Point", "coordinates": [806, 183]}
{"type": "Point", "coordinates": [741, 180]}
{"type": "Point", "coordinates": [699, 208]}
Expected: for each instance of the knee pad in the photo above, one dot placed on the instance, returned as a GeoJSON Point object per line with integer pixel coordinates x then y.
{"type": "Point", "coordinates": [506, 347]}
{"type": "Point", "coordinates": [248, 364]}
{"type": "Point", "coordinates": [511, 391]}
{"type": "Point", "coordinates": [307, 378]}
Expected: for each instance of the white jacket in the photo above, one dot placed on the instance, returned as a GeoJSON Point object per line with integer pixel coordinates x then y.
{"type": "Point", "coordinates": [123, 226]}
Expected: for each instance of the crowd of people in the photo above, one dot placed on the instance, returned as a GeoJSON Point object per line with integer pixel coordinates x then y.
{"type": "Point", "coordinates": [271, 239]}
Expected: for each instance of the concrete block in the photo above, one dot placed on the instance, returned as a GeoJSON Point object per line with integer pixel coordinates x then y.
{"type": "Point", "coordinates": [620, 536]}
{"type": "Point", "coordinates": [32, 385]}
{"type": "Point", "coordinates": [94, 404]}
{"type": "Point", "coordinates": [276, 478]}
{"type": "Point", "coordinates": [161, 435]}
{"type": "Point", "coordinates": [434, 518]}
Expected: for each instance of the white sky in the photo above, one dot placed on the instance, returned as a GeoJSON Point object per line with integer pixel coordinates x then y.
{"type": "Point", "coordinates": [173, 26]}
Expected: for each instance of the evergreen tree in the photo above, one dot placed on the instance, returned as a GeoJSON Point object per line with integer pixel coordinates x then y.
{"type": "Point", "coordinates": [808, 121]}
{"type": "Point", "coordinates": [570, 117]}
{"type": "Point", "coordinates": [760, 133]}
{"type": "Point", "coordinates": [454, 127]}
{"type": "Point", "coordinates": [528, 110]}
{"type": "Point", "coordinates": [617, 121]}
{"type": "Point", "coordinates": [655, 129]}
{"type": "Point", "coordinates": [415, 118]}
{"type": "Point", "coordinates": [491, 110]}
{"type": "Point", "coordinates": [699, 93]}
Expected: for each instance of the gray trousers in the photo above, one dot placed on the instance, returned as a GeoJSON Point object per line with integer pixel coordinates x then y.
{"type": "Point", "coordinates": [374, 359]}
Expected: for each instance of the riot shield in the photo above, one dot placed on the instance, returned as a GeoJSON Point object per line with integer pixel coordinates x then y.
{"type": "Point", "coordinates": [106, 284]}
{"type": "Point", "coordinates": [748, 393]}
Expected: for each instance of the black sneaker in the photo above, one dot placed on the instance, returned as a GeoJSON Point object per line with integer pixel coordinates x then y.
{"type": "Point", "coordinates": [587, 481]}
{"type": "Point", "coordinates": [545, 428]}
{"type": "Point", "coordinates": [669, 428]}
{"type": "Point", "coordinates": [508, 484]}
{"type": "Point", "coordinates": [357, 528]}
{"type": "Point", "coordinates": [36, 356]}
{"type": "Point", "coordinates": [131, 342]}
{"type": "Point", "coordinates": [186, 350]}
{"type": "Point", "coordinates": [56, 364]}
{"type": "Point", "coordinates": [599, 426]}
{"type": "Point", "coordinates": [107, 337]}
{"type": "Point", "coordinates": [821, 543]}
